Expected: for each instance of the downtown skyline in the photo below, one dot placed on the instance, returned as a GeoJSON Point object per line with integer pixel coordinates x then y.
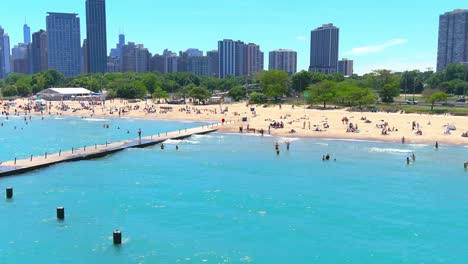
{"type": "Point", "coordinates": [374, 37]}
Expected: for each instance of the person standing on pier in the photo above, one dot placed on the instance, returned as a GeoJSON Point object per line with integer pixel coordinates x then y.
{"type": "Point", "coordinates": [139, 134]}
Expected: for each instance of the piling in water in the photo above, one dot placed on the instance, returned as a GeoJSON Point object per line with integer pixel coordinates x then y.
{"type": "Point", "coordinates": [9, 192]}
{"type": "Point", "coordinates": [60, 213]}
{"type": "Point", "coordinates": [117, 237]}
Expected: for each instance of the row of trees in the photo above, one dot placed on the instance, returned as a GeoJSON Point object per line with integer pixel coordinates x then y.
{"type": "Point", "coordinates": [314, 87]}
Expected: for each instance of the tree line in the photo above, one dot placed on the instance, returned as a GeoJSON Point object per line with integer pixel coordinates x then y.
{"type": "Point", "coordinates": [314, 88]}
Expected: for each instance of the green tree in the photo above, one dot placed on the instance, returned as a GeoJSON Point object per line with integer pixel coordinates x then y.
{"type": "Point", "coordinates": [132, 90]}
{"type": "Point", "coordinates": [386, 83]}
{"type": "Point", "coordinates": [274, 83]}
{"type": "Point", "coordinates": [151, 81]}
{"type": "Point", "coordinates": [23, 85]}
{"type": "Point", "coordinates": [201, 94]}
{"type": "Point", "coordinates": [238, 93]}
{"type": "Point", "coordinates": [433, 96]}
{"type": "Point", "coordinates": [159, 93]}
{"type": "Point", "coordinates": [9, 91]}
{"type": "Point", "coordinates": [257, 98]}
{"type": "Point", "coordinates": [324, 92]}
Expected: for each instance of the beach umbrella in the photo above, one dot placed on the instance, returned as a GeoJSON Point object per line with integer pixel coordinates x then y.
{"type": "Point", "coordinates": [451, 127]}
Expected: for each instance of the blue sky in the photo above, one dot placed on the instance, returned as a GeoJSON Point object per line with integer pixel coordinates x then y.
{"type": "Point", "coordinates": [396, 34]}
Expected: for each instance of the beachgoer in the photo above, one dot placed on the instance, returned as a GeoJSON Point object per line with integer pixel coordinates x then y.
{"type": "Point", "coordinates": [437, 145]}
{"type": "Point", "coordinates": [287, 145]}
{"type": "Point", "coordinates": [413, 157]}
{"type": "Point", "coordinates": [407, 160]}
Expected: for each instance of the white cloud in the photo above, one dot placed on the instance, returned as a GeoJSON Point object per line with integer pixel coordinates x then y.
{"type": "Point", "coordinates": [301, 38]}
{"type": "Point", "coordinates": [377, 48]}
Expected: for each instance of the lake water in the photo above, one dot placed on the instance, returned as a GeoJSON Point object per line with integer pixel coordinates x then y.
{"type": "Point", "coordinates": [228, 198]}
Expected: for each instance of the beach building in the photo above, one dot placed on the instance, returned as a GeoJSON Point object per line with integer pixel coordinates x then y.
{"type": "Point", "coordinates": [60, 94]}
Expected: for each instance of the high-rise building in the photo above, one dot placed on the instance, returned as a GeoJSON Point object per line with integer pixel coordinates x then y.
{"type": "Point", "coordinates": [135, 58]}
{"type": "Point", "coordinates": [198, 65]}
{"type": "Point", "coordinates": [27, 34]}
{"type": "Point", "coordinates": [63, 43]}
{"type": "Point", "coordinates": [157, 63]}
{"type": "Point", "coordinates": [453, 38]}
{"type": "Point", "coordinates": [117, 51]}
{"type": "Point", "coordinates": [253, 59]}
{"type": "Point", "coordinates": [113, 64]}
{"type": "Point", "coordinates": [6, 54]}
{"type": "Point", "coordinates": [2, 54]}
{"type": "Point", "coordinates": [84, 57]}
{"type": "Point", "coordinates": [324, 45]}
{"type": "Point", "coordinates": [39, 51]}
{"type": "Point", "coordinates": [283, 60]}
{"type": "Point", "coordinates": [213, 63]}
{"type": "Point", "coordinates": [22, 59]}
{"type": "Point", "coordinates": [96, 34]}
{"type": "Point", "coordinates": [346, 67]}
{"type": "Point", "coordinates": [231, 58]}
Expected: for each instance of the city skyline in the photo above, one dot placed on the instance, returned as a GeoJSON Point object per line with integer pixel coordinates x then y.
{"type": "Point", "coordinates": [390, 40]}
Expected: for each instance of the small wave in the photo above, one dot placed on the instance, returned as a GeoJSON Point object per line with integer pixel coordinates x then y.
{"type": "Point", "coordinates": [252, 135]}
{"type": "Point", "coordinates": [389, 150]}
{"type": "Point", "coordinates": [59, 118]}
{"type": "Point", "coordinates": [418, 145]}
{"type": "Point", "coordinates": [176, 141]}
{"type": "Point", "coordinates": [96, 120]}
{"type": "Point", "coordinates": [321, 144]}
{"type": "Point", "coordinates": [206, 136]}
{"type": "Point", "coordinates": [285, 139]}
{"type": "Point", "coordinates": [351, 140]}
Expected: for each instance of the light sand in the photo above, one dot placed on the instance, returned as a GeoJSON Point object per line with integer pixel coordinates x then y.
{"type": "Point", "coordinates": [432, 126]}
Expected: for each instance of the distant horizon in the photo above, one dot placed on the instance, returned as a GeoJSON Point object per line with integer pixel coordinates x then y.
{"type": "Point", "coordinates": [374, 36]}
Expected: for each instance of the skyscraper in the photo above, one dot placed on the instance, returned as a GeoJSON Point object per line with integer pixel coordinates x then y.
{"type": "Point", "coordinates": [213, 63]}
{"type": "Point", "coordinates": [198, 65]}
{"type": "Point", "coordinates": [84, 57]}
{"type": "Point", "coordinates": [453, 38]}
{"type": "Point", "coordinates": [346, 67]}
{"type": "Point", "coordinates": [22, 59]}
{"type": "Point", "coordinates": [253, 59]}
{"type": "Point", "coordinates": [27, 34]}
{"type": "Point", "coordinates": [283, 60]}
{"type": "Point", "coordinates": [231, 58]}
{"type": "Point", "coordinates": [96, 34]}
{"type": "Point", "coordinates": [39, 51]}
{"type": "Point", "coordinates": [6, 53]}
{"type": "Point", "coordinates": [117, 51]}
{"type": "Point", "coordinates": [135, 58]}
{"type": "Point", "coordinates": [63, 43]}
{"type": "Point", "coordinates": [324, 46]}
{"type": "Point", "coordinates": [2, 54]}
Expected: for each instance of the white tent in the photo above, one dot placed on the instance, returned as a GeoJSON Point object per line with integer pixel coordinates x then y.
{"type": "Point", "coordinates": [58, 94]}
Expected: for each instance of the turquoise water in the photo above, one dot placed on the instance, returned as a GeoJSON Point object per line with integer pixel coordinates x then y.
{"type": "Point", "coordinates": [230, 199]}
{"type": "Point", "coordinates": [20, 138]}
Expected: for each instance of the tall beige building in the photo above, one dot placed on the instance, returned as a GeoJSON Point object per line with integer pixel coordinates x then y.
{"type": "Point", "coordinates": [283, 60]}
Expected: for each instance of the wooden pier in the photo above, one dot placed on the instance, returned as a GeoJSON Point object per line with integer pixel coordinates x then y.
{"type": "Point", "coordinates": [19, 166]}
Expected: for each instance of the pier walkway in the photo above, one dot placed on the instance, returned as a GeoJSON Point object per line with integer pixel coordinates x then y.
{"type": "Point", "coordinates": [15, 167]}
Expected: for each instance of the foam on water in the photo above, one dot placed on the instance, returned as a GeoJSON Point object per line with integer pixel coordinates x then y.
{"type": "Point", "coordinates": [181, 141]}
{"type": "Point", "coordinates": [96, 120]}
{"type": "Point", "coordinates": [389, 150]}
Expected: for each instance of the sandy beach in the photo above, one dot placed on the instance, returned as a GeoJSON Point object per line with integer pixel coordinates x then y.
{"type": "Point", "coordinates": [286, 120]}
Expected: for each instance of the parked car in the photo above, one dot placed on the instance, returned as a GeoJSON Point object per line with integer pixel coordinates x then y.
{"type": "Point", "coordinates": [461, 100]}
{"type": "Point", "coordinates": [448, 104]}
{"type": "Point", "coordinates": [411, 102]}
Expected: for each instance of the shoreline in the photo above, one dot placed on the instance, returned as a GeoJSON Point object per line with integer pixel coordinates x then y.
{"type": "Point", "coordinates": [298, 119]}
